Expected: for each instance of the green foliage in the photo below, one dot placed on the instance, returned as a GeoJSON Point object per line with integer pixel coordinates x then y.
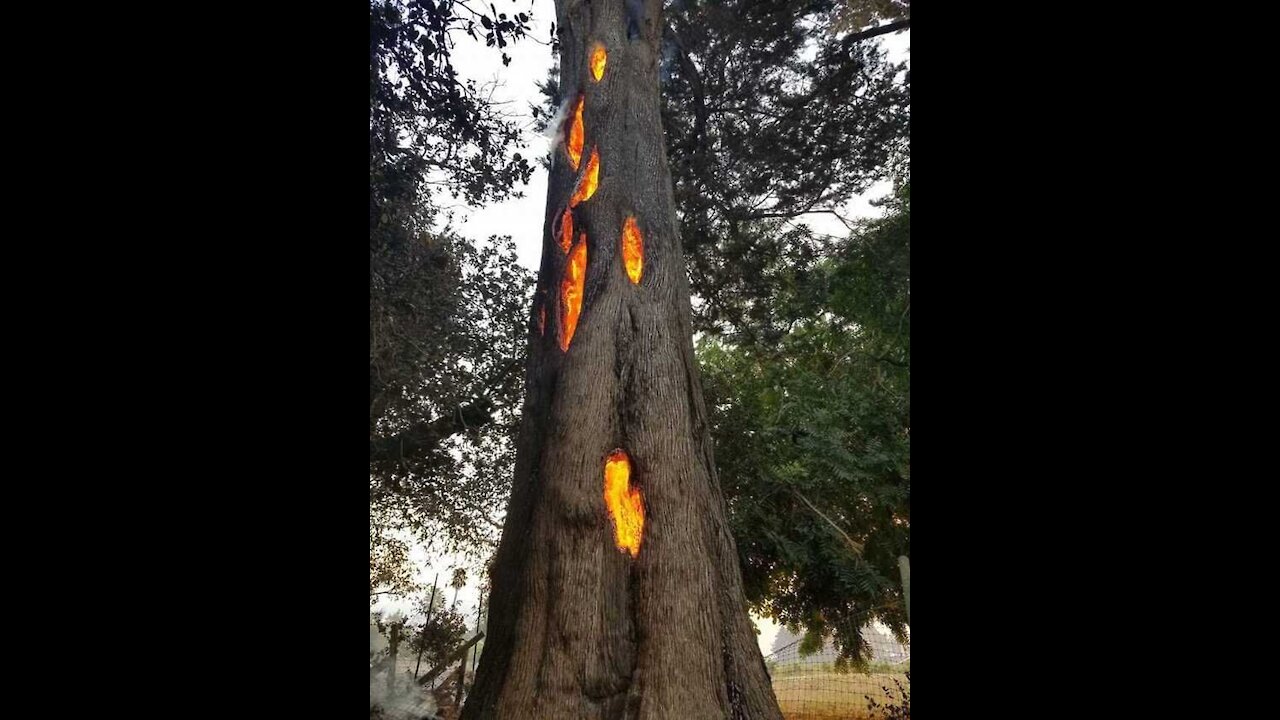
{"type": "Point", "coordinates": [423, 120]}
{"type": "Point", "coordinates": [438, 636]}
{"type": "Point", "coordinates": [770, 116]}
{"type": "Point", "coordinates": [812, 435]}
{"type": "Point", "coordinates": [447, 317]}
{"type": "Point", "coordinates": [388, 561]}
{"type": "Point", "coordinates": [447, 333]}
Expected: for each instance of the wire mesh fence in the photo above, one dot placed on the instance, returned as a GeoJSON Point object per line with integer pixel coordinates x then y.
{"type": "Point", "coordinates": [817, 686]}
{"type": "Point", "coordinates": [809, 681]}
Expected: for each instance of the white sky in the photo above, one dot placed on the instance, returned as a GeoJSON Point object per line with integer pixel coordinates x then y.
{"type": "Point", "coordinates": [521, 218]}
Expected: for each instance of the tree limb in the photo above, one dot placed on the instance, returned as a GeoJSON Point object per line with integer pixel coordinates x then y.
{"type": "Point", "coordinates": [881, 30]}
{"type": "Point", "coordinates": [855, 546]}
{"type": "Point", "coordinates": [453, 657]}
{"type": "Point", "coordinates": [422, 437]}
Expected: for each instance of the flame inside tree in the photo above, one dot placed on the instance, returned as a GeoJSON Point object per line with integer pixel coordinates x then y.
{"type": "Point", "coordinates": [590, 180]}
{"type": "Point", "coordinates": [574, 143]}
{"type": "Point", "coordinates": [632, 250]}
{"type": "Point", "coordinates": [623, 502]}
{"type": "Point", "coordinates": [575, 272]}
{"type": "Point", "coordinates": [598, 58]}
{"type": "Point", "coordinates": [566, 230]}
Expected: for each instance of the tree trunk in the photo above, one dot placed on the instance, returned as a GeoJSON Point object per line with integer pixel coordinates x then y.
{"type": "Point", "coordinates": [592, 617]}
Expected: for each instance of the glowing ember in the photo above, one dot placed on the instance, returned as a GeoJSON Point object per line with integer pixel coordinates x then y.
{"type": "Point", "coordinates": [598, 57]}
{"type": "Point", "coordinates": [587, 186]}
{"type": "Point", "coordinates": [623, 502]}
{"type": "Point", "coordinates": [571, 292]}
{"type": "Point", "coordinates": [632, 249]}
{"type": "Point", "coordinates": [574, 146]}
{"type": "Point", "coordinates": [566, 231]}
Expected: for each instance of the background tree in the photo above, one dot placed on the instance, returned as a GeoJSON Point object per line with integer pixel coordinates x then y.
{"type": "Point", "coordinates": [441, 631]}
{"type": "Point", "coordinates": [814, 435]}
{"type": "Point", "coordinates": [771, 116]}
{"type": "Point", "coordinates": [444, 314]}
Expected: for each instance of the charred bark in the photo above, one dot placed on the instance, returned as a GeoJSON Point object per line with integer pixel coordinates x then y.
{"type": "Point", "coordinates": [579, 628]}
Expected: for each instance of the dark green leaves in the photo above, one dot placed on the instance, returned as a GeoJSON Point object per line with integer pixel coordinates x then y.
{"type": "Point", "coordinates": [812, 432]}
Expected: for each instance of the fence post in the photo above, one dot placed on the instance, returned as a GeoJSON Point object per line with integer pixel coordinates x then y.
{"type": "Point", "coordinates": [475, 652]}
{"type": "Point", "coordinates": [391, 674]}
{"type": "Point", "coordinates": [904, 567]}
{"type": "Point", "coordinates": [422, 644]}
{"type": "Point", "coordinates": [462, 679]}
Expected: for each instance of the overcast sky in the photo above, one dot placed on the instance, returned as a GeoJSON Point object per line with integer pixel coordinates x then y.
{"type": "Point", "coordinates": [521, 218]}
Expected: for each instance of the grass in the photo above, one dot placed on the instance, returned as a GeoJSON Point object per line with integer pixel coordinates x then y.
{"type": "Point", "coordinates": [817, 693]}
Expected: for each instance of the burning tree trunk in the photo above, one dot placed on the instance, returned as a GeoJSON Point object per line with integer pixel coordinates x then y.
{"type": "Point", "coordinates": [616, 589]}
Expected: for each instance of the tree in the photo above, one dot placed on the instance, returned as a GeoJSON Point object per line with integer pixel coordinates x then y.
{"type": "Point", "coordinates": [814, 432]}
{"type": "Point", "coordinates": [617, 590]}
{"type": "Point", "coordinates": [445, 316]}
{"type": "Point", "coordinates": [776, 111]}
{"type": "Point", "coordinates": [446, 350]}
{"type": "Point", "coordinates": [772, 114]}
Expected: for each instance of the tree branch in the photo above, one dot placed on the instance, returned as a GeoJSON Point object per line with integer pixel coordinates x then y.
{"type": "Point", "coordinates": [421, 438]}
{"type": "Point", "coordinates": [855, 546]}
{"type": "Point", "coordinates": [425, 436]}
{"type": "Point", "coordinates": [881, 30]}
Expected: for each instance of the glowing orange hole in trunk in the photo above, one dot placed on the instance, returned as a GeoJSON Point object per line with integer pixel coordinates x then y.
{"type": "Point", "coordinates": [574, 145]}
{"type": "Point", "coordinates": [598, 57]}
{"type": "Point", "coordinates": [587, 186]}
{"type": "Point", "coordinates": [632, 250]}
{"type": "Point", "coordinates": [623, 502]}
{"type": "Point", "coordinates": [566, 231]}
{"type": "Point", "coordinates": [571, 292]}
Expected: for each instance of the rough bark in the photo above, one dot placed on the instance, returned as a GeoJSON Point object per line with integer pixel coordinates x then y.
{"type": "Point", "coordinates": [578, 628]}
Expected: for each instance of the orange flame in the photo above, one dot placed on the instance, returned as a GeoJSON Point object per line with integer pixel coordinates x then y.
{"type": "Point", "coordinates": [623, 502]}
{"type": "Point", "coordinates": [574, 146]}
{"type": "Point", "coordinates": [571, 292]}
{"type": "Point", "coordinates": [632, 249]}
{"type": "Point", "coordinates": [566, 231]}
{"type": "Point", "coordinates": [598, 57]}
{"type": "Point", "coordinates": [587, 186]}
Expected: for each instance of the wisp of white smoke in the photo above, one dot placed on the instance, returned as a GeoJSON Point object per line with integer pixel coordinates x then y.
{"type": "Point", "coordinates": [555, 131]}
{"type": "Point", "coordinates": [408, 700]}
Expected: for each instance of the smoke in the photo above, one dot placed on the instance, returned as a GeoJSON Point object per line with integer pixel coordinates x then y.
{"type": "Point", "coordinates": [406, 700]}
{"type": "Point", "coordinates": [554, 131]}
{"type": "Point", "coordinates": [409, 701]}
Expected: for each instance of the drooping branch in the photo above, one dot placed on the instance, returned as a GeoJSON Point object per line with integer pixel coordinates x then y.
{"type": "Point", "coordinates": [853, 545]}
{"type": "Point", "coordinates": [881, 30]}
{"type": "Point", "coordinates": [423, 437]}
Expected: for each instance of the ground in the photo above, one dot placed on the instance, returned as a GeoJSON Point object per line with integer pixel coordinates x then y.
{"type": "Point", "coordinates": [820, 694]}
